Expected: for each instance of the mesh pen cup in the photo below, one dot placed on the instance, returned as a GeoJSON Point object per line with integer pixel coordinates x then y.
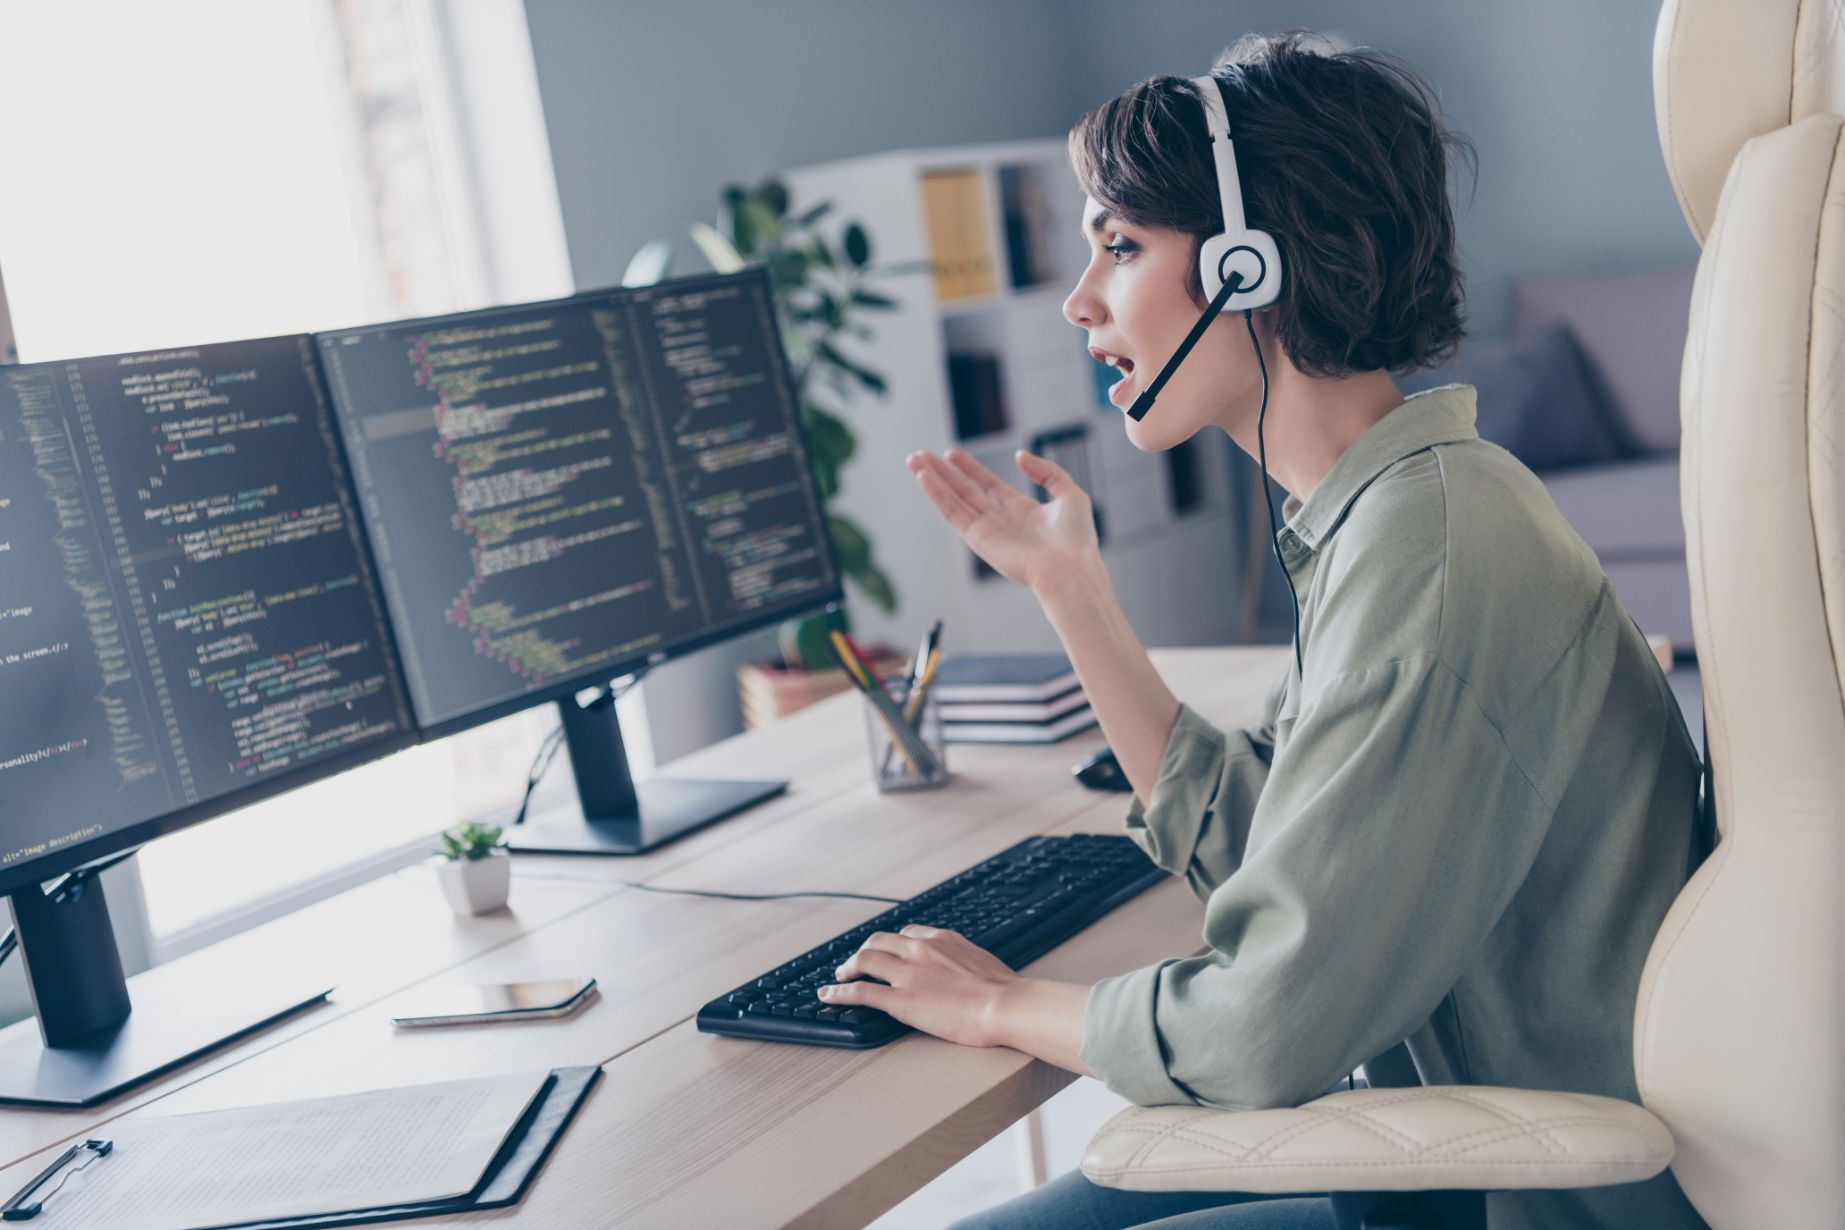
{"type": "Point", "coordinates": [907, 750]}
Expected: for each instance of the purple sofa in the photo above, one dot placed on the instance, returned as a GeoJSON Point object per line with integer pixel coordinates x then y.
{"type": "Point", "coordinates": [1631, 330]}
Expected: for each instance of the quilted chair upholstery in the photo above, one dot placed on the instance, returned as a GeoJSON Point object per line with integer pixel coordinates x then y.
{"type": "Point", "coordinates": [1739, 1043]}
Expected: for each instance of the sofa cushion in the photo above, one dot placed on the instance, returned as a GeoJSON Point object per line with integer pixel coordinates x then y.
{"type": "Point", "coordinates": [1631, 327]}
{"type": "Point", "coordinates": [1535, 399]}
{"type": "Point", "coordinates": [1626, 509]}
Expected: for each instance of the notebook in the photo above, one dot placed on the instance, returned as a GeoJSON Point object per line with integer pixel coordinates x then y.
{"type": "Point", "coordinates": [411, 1145]}
{"type": "Point", "coordinates": [1018, 711]}
{"type": "Point", "coordinates": [1003, 677]}
{"type": "Point", "coordinates": [1018, 732]}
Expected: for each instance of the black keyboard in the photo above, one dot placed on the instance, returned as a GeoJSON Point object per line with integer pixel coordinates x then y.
{"type": "Point", "coordinates": [1018, 905]}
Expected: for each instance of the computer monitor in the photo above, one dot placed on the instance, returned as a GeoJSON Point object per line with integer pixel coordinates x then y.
{"type": "Point", "coordinates": [188, 622]}
{"type": "Point", "coordinates": [560, 493]}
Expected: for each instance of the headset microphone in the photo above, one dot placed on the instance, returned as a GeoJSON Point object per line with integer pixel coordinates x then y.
{"type": "Point", "coordinates": [1144, 402]}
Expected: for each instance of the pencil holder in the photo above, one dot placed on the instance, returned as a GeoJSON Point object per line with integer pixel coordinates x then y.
{"type": "Point", "coordinates": [899, 763]}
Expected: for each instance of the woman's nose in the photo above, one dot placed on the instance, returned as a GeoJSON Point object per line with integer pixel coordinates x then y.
{"type": "Point", "coordinates": [1082, 309]}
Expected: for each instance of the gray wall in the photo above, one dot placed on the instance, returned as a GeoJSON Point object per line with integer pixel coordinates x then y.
{"type": "Point", "coordinates": [652, 107]}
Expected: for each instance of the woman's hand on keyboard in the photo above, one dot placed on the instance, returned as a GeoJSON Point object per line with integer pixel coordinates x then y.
{"type": "Point", "coordinates": [938, 981]}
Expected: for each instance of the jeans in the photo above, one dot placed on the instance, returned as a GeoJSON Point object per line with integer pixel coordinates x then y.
{"type": "Point", "coordinates": [1072, 1202]}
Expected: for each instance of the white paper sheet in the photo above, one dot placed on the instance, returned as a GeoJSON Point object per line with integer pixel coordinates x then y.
{"type": "Point", "coordinates": [287, 1159]}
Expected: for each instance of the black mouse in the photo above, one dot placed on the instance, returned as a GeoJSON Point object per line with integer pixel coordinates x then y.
{"type": "Point", "coordinates": [1102, 772]}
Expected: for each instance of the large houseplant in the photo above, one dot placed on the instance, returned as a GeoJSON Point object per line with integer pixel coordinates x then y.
{"type": "Point", "coordinates": [822, 290]}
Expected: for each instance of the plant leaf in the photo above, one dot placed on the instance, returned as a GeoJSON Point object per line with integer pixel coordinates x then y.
{"type": "Point", "coordinates": [774, 196]}
{"type": "Point", "coordinates": [717, 249]}
{"type": "Point", "coordinates": [876, 585]}
{"type": "Point", "coordinates": [871, 299]}
{"type": "Point", "coordinates": [849, 542]}
{"type": "Point", "coordinates": [813, 215]}
{"type": "Point", "coordinates": [857, 245]}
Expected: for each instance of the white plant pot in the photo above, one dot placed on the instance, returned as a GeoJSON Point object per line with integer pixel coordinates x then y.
{"type": "Point", "coordinates": [475, 885]}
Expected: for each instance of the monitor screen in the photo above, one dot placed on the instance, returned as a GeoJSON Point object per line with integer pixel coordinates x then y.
{"type": "Point", "coordinates": [559, 492]}
{"type": "Point", "coordinates": [186, 609]}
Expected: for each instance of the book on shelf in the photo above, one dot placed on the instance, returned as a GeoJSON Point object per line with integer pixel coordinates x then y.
{"type": "Point", "coordinates": [1027, 216]}
{"type": "Point", "coordinates": [1003, 677]}
{"type": "Point", "coordinates": [979, 401]}
{"type": "Point", "coordinates": [1014, 711]}
{"type": "Point", "coordinates": [1018, 732]}
{"type": "Point", "coordinates": [960, 249]}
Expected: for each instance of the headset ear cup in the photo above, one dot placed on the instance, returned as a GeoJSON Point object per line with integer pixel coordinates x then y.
{"type": "Point", "coordinates": [1251, 253]}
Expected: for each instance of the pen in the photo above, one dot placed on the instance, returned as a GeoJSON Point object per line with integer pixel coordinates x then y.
{"type": "Point", "coordinates": [912, 704]}
{"type": "Point", "coordinates": [17, 1209]}
{"type": "Point", "coordinates": [907, 741]}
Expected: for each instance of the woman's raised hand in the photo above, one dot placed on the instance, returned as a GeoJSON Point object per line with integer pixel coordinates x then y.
{"type": "Point", "coordinates": [1022, 539]}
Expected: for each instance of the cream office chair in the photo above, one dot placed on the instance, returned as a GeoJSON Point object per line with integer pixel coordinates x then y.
{"type": "Point", "coordinates": [1739, 1036]}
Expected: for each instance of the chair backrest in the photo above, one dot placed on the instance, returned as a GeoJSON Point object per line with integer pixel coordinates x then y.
{"type": "Point", "coordinates": [1739, 1039]}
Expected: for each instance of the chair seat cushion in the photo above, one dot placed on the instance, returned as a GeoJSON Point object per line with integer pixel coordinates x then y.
{"type": "Point", "coordinates": [1448, 1137]}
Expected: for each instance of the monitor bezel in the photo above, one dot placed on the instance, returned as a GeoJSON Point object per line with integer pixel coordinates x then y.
{"type": "Point", "coordinates": [51, 866]}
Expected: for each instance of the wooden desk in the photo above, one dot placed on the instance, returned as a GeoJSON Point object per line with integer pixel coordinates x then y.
{"type": "Point", "coordinates": [688, 1130]}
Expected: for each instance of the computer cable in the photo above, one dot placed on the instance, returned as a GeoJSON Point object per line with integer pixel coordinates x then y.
{"type": "Point", "coordinates": [59, 892]}
{"type": "Point", "coordinates": [699, 892]}
{"type": "Point", "coordinates": [547, 750]}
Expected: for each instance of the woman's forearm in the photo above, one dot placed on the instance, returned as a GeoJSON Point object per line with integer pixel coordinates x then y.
{"type": "Point", "coordinates": [1133, 704]}
{"type": "Point", "coordinates": [1044, 1019]}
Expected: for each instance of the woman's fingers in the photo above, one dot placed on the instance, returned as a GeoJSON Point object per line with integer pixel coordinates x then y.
{"type": "Point", "coordinates": [858, 994]}
{"type": "Point", "coordinates": [964, 486]}
{"type": "Point", "coordinates": [955, 510]}
{"type": "Point", "coordinates": [992, 484]}
{"type": "Point", "coordinates": [1048, 475]}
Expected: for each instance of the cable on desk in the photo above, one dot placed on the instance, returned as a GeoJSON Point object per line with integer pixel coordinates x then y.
{"type": "Point", "coordinates": [697, 892]}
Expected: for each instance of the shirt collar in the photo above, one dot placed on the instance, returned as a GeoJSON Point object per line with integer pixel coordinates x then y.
{"type": "Point", "coordinates": [1434, 416]}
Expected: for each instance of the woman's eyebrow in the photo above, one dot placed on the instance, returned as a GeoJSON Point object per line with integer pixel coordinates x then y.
{"type": "Point", "coordinates": [1100, 221]}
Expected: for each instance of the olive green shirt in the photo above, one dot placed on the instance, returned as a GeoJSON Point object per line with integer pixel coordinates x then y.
{"type": "Point", "coordinates": [1460, 828]}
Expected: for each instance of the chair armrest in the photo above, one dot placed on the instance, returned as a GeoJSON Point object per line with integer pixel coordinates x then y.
{"type": "Point", "coordinates": [1457, 1137]}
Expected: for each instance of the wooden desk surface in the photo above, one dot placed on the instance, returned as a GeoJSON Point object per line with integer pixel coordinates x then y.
{"type": "Point", "coordinates": [686, 1129]}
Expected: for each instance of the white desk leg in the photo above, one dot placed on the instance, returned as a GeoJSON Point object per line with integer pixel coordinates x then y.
{"type": "Point", "coordinates": [1028, 1144]}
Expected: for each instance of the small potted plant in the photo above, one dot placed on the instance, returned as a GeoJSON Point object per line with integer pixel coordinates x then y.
{"type": "Point", "coordinates": [474, 869]}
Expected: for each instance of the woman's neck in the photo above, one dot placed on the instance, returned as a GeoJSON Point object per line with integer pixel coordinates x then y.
{"type": "Point", "coordinates": [1312, 421]}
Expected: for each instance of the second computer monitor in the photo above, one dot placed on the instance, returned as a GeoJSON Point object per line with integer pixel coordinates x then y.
{"type": "Point", "coordinates": [559, 492]}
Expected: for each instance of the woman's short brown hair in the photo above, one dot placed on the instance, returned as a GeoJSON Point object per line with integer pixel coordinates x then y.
{"type": "Point", "coordinates": [1343, 158]}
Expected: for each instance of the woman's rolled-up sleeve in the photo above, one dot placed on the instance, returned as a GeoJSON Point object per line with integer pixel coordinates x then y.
{"type": "Point", "coordinates": [1197, 821]}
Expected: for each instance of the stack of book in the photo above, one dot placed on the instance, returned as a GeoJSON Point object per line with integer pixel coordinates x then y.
{"type": "Point", "coordinates": [1010, 698]}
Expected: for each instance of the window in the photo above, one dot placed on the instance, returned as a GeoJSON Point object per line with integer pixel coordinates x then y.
{"type": "Point", "coordinates": [212, 169]}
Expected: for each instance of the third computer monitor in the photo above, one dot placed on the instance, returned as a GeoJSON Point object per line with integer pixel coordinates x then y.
{"type": "Point", "coordinates": [559, 492]}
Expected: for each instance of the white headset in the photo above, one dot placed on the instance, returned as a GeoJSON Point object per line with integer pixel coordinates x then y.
{"type": "Point", "coordinates": [1250, 258]}
{"type": "Point", "coordinates": [1251, 253]}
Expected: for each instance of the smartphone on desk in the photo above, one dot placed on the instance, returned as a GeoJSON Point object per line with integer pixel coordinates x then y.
{"type": "Point", "coordinates": [474, 1004]}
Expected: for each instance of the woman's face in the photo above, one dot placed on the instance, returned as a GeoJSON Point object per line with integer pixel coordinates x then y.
{"type": "Point", "coordinates": [1132, 300]}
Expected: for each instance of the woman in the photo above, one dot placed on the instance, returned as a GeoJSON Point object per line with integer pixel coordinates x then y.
{"type": "Point", "coordinates": [1470, 801]}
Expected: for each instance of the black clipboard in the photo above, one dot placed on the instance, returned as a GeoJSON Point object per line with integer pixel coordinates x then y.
{"type": "Point", "coordinates": [507, 1177]}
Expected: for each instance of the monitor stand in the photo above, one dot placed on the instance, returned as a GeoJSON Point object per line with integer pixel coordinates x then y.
{"type": "Point", "coordinates": [617, 815]}
{"type": "Point", "coordinates": [92, 1042]}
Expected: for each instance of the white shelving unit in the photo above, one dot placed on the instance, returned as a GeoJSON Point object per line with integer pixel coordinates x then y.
{"type": "Point", "coordinates": [1167, 529]}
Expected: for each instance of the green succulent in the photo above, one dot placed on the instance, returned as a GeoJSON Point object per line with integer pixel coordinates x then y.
{"type": "Point", "coordinates": [470, 841]}
{"type": "Point", "coordinates": [820, 290]}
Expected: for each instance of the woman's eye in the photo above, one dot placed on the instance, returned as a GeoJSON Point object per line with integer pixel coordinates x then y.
{"type": "Point", "coordinates": [1119, 250]}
